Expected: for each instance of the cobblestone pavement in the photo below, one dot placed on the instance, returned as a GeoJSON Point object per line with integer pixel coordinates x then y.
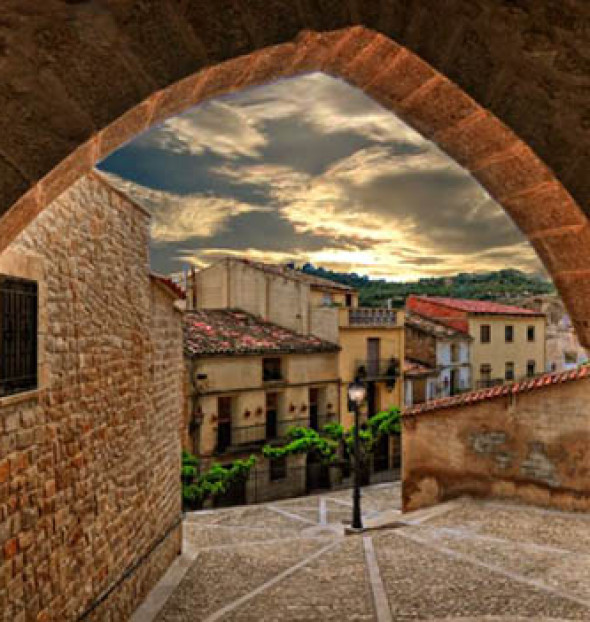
{"type": "Point", "coordinates": [290, 561]}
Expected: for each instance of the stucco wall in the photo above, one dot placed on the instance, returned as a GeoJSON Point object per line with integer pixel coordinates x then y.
{"type": "Point", "coordinates": [498, 352]}
{"type": "Point", "coordinates": [324, 322]}
{"type": "Point", "coordinates": [354, 349]}
{"type": "Point", "coordinates": [532, 446]}
{"type": "Point", "coordinates": [89, 463]}
{"type": "Point", "coordinates": [241, 379]}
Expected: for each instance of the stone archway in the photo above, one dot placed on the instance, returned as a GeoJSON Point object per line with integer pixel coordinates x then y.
{"type": "Point", "coordinates": [397, 78]}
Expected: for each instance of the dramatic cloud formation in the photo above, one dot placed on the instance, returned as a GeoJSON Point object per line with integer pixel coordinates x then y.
{"type": "Point", "coordinates": [179, 217]}
{"type": "Point", "coordinates": [310, 169]}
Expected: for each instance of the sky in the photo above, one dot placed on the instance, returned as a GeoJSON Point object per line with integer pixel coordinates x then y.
{"type": "Point", "coordinates": [310, 169]}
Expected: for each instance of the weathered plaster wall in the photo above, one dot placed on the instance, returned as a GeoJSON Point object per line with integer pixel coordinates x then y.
{"type": "Point", "coordinates": [89, 464]}
{"type": "Point", "coordinates": [533, 447]}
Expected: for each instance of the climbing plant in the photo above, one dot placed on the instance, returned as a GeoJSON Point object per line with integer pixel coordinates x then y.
{"type": "Point", "coordinates": [217, 480]}
{"type": "Point", "coordinates": [333, 440]}
{"type": "Point", "coordinates": [304, 441]}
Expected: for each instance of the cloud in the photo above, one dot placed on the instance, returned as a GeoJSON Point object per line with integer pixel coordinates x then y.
{"type": "Point", "coordinates": [214, 126]}
{"type": "Point", "coordinates": [235, 126]}
{"type": "Point", "coordinates": [311, 169]}
{"type": "Point", "coordinates": [177, 217]}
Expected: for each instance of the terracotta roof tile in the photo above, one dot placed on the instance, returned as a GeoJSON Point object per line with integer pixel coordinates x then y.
{"type": "Point", "coordinates": [479, 306]}
{"type": "Point", "coordinates": [433, 327]}
{"type": "Point", "coordinates": [487, 394]}
{"type": "Point", "coordinates": [170, 285]}
{"type": "Point", "coordinates": [226, 332]}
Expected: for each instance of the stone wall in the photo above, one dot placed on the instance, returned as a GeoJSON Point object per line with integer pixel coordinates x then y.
{"type": "Point", "coordinates": [89, 463]}
{"type": "Point", "coordinates": [532, 446]}
{"type": "Point", "coordinates": [420, 346]}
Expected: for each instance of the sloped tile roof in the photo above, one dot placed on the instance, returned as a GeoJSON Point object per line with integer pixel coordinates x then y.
{"type": "Point", "coordinates": [432, 327]}
{"type": "Point", "coordinates": [482, 395]}
{"type": "Point", "coordinates": [226, 332]}
{"type": "Point", "coordinates": [479, 306]}
{"type": "Point", "coordinates": [175, 290]}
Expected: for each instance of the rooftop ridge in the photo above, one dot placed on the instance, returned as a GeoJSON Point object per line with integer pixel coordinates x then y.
{"type": "Point", "coordinates": [468, 305]}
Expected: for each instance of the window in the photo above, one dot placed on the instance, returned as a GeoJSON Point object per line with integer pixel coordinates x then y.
{"type": "Point", "coordinates": [327, 299]}
{"type": "Point", "coordinates": [485, 371]}
{"type": "Point", "coordinates": [485, 333]}
{"type": "Point", "coordinates": [530, 368]}
{"type": "Point", "coordinates": [530, 333]}
{"type": "Point", "coordinates": [224, 409]}
{"type": "Point", "coordinates": [18, 335]}
{"type": "Point", "coordinates": [509, 333]}
{"type": "Point", "coordinates": [349, 300]}
{"type": "Point", "coordinates": [454, 352]}
{"type": "Point", "coordinates": [509, 373]}
{"type": "Point", "coordinates": [570, 357]}
{"type": "Point", "coordinates": [271, 369]}
{"type": "Point", "coordinates": [278, 468]}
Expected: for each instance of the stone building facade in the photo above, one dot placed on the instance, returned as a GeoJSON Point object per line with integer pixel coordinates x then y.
{"type": "Point", "coordinates": [90, 457]}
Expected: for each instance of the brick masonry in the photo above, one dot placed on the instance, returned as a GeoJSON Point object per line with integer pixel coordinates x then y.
{"type": "Point", "coordinates": [89, 463]}
{"type": "Point", "coordinates": [532, 446]}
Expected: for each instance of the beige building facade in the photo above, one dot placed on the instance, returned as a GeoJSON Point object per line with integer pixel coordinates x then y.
{"type": "Point", "coordinates": [371, 341]}
{"type": "Point", "coordinates": [248, 382]}
{"type": "Point", "coordinates": [507, 342]}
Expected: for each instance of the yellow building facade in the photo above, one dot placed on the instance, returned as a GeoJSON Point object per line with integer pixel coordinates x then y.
{"type": "Point", "coordinates": [506, 347]}
{"type": "Point", "coordinates": [372, 342]}
{"type": "Point", "coordinates": [508, 342]}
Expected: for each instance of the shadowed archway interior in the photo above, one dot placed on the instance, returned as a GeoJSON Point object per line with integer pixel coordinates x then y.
{"type": "Point", "coordinates": [87, 123]}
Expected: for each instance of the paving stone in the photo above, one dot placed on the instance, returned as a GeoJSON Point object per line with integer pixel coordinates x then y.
{"type": "Point", "coordinates": [220, 577]}
{"type": "Point", "coordinates": [425, 583]}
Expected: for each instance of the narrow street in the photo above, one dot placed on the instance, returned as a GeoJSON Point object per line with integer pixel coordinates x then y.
{"type": "Point", "coordinates": [290, 560]}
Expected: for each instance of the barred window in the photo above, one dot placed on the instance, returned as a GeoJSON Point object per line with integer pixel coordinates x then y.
{"type": "Point", "coordinates": [18, 335]}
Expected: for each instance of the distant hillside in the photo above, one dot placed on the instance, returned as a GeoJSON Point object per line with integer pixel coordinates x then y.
{"type": "Point", "coordinates": [501, 286]}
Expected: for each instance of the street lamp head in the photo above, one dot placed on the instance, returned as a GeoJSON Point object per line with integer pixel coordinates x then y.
{"type": "Point", "coordinates": [357, 392]}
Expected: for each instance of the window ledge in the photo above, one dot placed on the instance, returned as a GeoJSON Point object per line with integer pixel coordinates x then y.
{"type": "Point", "coordinates": [25, 396]}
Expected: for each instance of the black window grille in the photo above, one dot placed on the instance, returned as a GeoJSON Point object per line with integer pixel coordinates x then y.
{"type": "Point", "coordinates": [271, 369]}
{"type": "Point", "coordinates": [278, 468]}
{"type": "Point", "coordinates": [18, 335]}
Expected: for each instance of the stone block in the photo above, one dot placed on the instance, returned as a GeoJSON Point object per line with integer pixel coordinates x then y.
{"type": "Point", "coordinates": [475, 138]}
{"type": "Point", "coordinates": [564, 250]}
{"type": "Point", "coordinates": [438, 105]}
{"type": "Point", "coordinates": [544, 207]}
{"type": "Point", "coordinates": [398, 79]}
{"type": "Point", "coordinates": [511, 172]}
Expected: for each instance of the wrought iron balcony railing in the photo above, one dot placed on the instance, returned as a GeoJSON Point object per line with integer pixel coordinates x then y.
{"type": "Point", "coordinates": [377, 369]}
{"type": "Point", "coordinates": [262, 433]}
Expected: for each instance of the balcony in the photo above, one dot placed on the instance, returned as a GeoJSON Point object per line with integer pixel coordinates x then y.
{"type": "Point", "coordinates": [377, 369]}
{"type": "Point", "coordinates": [359, 317]}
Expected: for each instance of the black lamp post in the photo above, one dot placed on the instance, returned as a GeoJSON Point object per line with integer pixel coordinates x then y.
{"type": "Point", "coordinates": [356, 394]}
